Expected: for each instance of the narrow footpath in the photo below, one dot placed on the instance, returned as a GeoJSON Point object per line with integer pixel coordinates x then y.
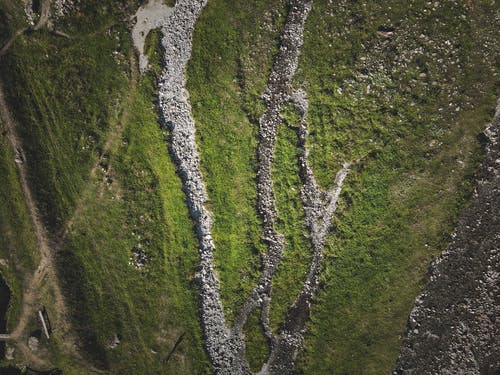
{"type": "Point", "coordinates": [46, 270]}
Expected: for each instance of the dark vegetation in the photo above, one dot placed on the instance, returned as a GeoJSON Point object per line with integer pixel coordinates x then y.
{"type": "Point", "coordinates": [71, 97]}
{"type": "Point", "coordinates": [11, 18]}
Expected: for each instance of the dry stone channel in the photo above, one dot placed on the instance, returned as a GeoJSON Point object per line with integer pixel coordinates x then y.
{"type": "Point", "coordinates": [319, 208]}
{"type": "Point", "coordinates": [225, 345]}
{"type": "Point", "coordinates": [276, 94]}
{"type": "Point", "coordinates": [222, 348]}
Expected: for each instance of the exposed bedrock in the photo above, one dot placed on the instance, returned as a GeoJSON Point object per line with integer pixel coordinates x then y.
{"type": "Point", "coordinates": [453, 327]}
{"type": "Point", "coordinates": [149, 16]}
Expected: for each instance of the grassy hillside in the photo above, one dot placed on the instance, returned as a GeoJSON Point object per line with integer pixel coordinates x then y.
{"type": "Point", "coordinates": [64, 93]}
{"type": "Point", "coordinates": [18, 248]}
{"type": "Point", "coordinates": [411, 103]}
{"type": "Point", "coordinates": [108, 193]}
{"type": "Point", "coordinates": [232, 51]}
{"type": "Point", "coordinates": [133, 210]}
{"type": "Point", "coordinates": [233, 46]}
{"type": "Point", "coordinates": [404, 86]}
{"type": "Point", "coordinates": [388, 85]}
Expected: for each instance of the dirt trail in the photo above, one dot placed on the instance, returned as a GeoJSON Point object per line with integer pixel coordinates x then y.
{"type": "Point", "coordinates": [45, 270]}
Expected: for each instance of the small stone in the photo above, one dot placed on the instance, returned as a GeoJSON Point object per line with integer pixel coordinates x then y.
{"type": "Point", "coordinates": [115, 342]}
{"type": "Point", "coordinates": [33, 344]}
{"type": "Point", "coordinates": [9, 353]}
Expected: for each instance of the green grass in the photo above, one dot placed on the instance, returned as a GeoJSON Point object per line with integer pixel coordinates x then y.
{"type": "Point", "coordinates": [293, 269]}
{"type": "Point", "coordinates": [397, 208]}
{"type": "Point", "coordinates": [377, 262]}
{"type": "Point", "coordinates": [18, 246]}
{"type": "Point", "coordinates": [257, 347]}
{"type": "Point", "coordinates": [377, 257]}
{"type": "Point", "coordinates": [64, 93]}
{"type": "Point", "coordinates": [400, 203]}
{"type": "Point", "coordinates": [12, 17]}
{"type": "Point", "coordinates": [233, 46]}
{"type": "Point", "coordinates": [232, 51]}
{"type": "Point", "coordinates": [69, 96]}
{"type": "Point", "coordinates": [144, 206]}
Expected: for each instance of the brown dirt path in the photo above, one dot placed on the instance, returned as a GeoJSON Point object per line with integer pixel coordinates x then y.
{"type": "Point", "coordinates": [45, 270]}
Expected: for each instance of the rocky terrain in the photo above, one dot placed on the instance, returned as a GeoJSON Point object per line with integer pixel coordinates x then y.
{"type": "Point", "coordinates": [453, 328]}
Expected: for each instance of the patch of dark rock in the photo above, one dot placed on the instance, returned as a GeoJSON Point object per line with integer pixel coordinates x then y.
{"type": "Point", "coordinates": [36, 6]}
{"type": "Point", "coordinates": [4, 304]}
{"type": "Point", "coordinates": [452, 328]}
{"type": "Point", "coordinates": [10, 370]}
